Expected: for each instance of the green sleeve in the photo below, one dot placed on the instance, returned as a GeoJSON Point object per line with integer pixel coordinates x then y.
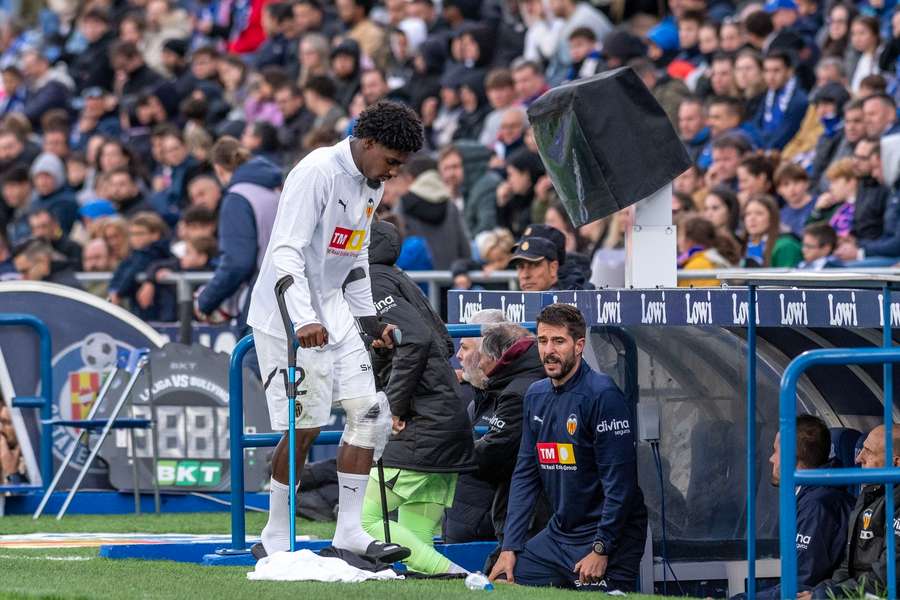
{"type": "Point", "coordinates": [787, 252]}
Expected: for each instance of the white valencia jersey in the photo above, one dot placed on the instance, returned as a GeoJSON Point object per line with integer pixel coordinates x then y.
{"type": "Point", "coordinates": [321, 234]}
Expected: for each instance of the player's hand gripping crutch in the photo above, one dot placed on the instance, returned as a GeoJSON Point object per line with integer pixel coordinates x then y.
{"type": "Point", "coordinates": [281, 287]}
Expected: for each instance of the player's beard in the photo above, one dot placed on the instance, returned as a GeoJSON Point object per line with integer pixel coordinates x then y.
{"type": "Point", "coordinates": [567, 363]}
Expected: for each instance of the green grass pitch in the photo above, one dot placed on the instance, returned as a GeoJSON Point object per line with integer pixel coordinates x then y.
{"type": "Point", "coordinates": [80, 573]}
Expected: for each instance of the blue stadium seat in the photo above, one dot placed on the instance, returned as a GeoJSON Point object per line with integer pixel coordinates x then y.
{"type": "Point", "coordinates": [844, 446]}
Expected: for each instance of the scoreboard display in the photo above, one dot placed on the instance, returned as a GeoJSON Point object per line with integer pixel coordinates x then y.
{"type": "Point", "coordinates": [188, 401]}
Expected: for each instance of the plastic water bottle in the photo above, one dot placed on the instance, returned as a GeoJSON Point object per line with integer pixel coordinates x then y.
{"type": "Point", "coordinates": [477, 581]}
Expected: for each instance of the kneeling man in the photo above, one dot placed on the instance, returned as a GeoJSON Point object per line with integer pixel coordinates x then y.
{"type": "Point", "coordinates": [579, 448]}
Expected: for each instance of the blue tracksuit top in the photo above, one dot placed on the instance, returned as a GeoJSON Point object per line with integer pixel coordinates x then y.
{"type": "Point", "coordinates": [578, 444]}
{"type": "Point", "coordinates": [822, 515]}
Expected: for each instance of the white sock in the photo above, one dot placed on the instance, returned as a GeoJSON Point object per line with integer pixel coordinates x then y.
{"type": "Point", "coordinates": [349, 534]}
{"type": "Point", "coordinates": [455, 569]}
{"type": "Point", "coordinates": [276, 535]}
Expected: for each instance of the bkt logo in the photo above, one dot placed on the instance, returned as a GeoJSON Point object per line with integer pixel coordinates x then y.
{"type": "Point", "coordinates": [189, 473]}
{"type": "Point", "coordinates": [347, 239]}
{"type": "Point", "coordinates": [619, 427]}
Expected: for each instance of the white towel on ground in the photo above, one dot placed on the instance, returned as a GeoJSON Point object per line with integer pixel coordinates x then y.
{"type": "Point", "coordinates": [305, 565]}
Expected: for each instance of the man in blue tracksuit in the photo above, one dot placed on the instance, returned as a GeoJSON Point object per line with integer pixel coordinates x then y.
{"type": "Point", "coordinates": [822, 511]}
{"type": "Point", "coordinates": [578, 446]}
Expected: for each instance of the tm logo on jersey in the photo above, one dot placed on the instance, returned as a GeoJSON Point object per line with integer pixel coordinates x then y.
{"type": "Point", "coordinates": [346, 242]}
{"type": "Point", "coordinates": [556, 456]}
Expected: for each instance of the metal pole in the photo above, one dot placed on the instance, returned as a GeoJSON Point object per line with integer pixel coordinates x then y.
{"type": "Point", "coordinates": [46, 358]}
{"type": "Point", "coordinates": [889, 445]}
{"type": "Point", "coordinates": [185, 293]}
{"type": "Point", "coordinates": [434, 296]}
{"type": "Point", "coordinates": [292, 450]}
{"type": "Point", "coordinates": [134, 469]}
{"type": "Point", "coordinates": [236, 434]}
{"type": "Point", "coordinates": [154, 439]}
{"type": "Point", "coordinates": [787, 498]}
{"type": "Point", "coordinates": [751, 442]}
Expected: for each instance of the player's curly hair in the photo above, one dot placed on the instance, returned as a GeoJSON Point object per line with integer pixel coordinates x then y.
{"type": "Point", "coordinates": [392, 125]}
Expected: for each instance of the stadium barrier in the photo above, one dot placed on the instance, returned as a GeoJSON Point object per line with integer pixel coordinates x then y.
{"type": "Point", "coordinates": [790, 477]}
{"type": "Point", "coordinates": [44, 402]}
{"type": "Point", "coordinates": [239, 440]}
{"type": "Point", "coordinates": [186, 283]}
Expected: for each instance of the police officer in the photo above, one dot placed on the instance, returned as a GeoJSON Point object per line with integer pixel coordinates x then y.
{"type": "Point", "coordinates": [536, 262]}
{"type": "Point", "coordinates": [863, 569]}
{"type": "Point", "coordinates": [578, 447]}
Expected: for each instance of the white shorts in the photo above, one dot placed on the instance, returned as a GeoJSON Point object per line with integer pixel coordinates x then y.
{"type": "Point", "coordinates": [325, 376]}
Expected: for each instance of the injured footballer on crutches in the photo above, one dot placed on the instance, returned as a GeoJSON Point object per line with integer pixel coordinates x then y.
{"type": "Point", "coordinates": [320, 239]}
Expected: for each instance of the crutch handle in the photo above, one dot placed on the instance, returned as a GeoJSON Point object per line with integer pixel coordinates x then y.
{"type": "Point", "coordinates": [281, 286]}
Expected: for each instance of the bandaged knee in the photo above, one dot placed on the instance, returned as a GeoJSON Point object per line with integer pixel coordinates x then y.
{"type": "Point", "coordinates": [368, 422]}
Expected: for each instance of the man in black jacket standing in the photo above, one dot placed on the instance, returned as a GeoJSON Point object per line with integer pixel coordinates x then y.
{"type": "Point", "coordinates": [864, 568]}
{"type": "Point", "coordinates": [432, 435]}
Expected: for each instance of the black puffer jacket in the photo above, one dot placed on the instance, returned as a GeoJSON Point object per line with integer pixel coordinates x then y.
{"type": "Point", "coordinates": [416, 376]}
{"type": "Point", "coordinates": [500, 408]}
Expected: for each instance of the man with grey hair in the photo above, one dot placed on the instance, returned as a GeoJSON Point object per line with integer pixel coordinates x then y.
{"type": "Point", "coordinates": [469, 353]}
{"type": "Point", "coordinates": [469, 519]}
{"type": "Point", "coordinates": [510, 363]}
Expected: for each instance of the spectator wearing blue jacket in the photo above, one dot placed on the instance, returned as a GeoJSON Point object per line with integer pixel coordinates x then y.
{"type": "Point", "coordinates": [724, 114]}
{"type": "Point", "coordinates": [691, 126]}
{"type": "Point", "coordinates": [784, 106]}
{"type": "Point", "coordinates": [246, 217]}
{"type": "Point", "coordinates": [15, 92]}
{"type": "Point", "coordinates": [147, 236]}
{"type": "Point", "coordinates": [578, 447]}
{"type": "Point", "coordinates": [822, 511]}
{"type": "Point", "coordinates": [47, 88]}
{"type": "Point", "coordinates": [179, 167]}
{"type": "Point", "coordinates": [48, 175]}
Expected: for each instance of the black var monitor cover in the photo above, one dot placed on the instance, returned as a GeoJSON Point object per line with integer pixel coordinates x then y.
{"type": "Point", "coordinates": [606, 143]}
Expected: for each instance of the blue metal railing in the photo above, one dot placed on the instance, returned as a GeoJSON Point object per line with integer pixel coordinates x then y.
{"type": "Point", "coordinates": [790, 477]}
{"type": "Point", "coordinates": [887, 355]}
{"type": "Point", "coordinates": [239, 440]}
{"type": "Point", "coordinates": [45, 401]}
{"type": "Point", "coordinates": [751, 441]}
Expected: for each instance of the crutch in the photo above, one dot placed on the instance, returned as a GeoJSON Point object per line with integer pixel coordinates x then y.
{"type": "Point", "coordinates": [384, 506]}
{"type": "Point", "coordinates": [281, 287]}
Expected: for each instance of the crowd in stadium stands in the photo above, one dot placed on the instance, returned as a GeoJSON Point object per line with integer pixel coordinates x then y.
{"type": "Point", "coordinates": [146, 137]}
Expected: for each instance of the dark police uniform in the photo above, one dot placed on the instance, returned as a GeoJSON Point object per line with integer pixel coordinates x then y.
{"type": "Point", "coordinates": [578, 445]}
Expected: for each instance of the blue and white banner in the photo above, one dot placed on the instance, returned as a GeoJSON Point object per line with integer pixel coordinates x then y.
{"type": "Point", "coordinates": [691, 307]}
